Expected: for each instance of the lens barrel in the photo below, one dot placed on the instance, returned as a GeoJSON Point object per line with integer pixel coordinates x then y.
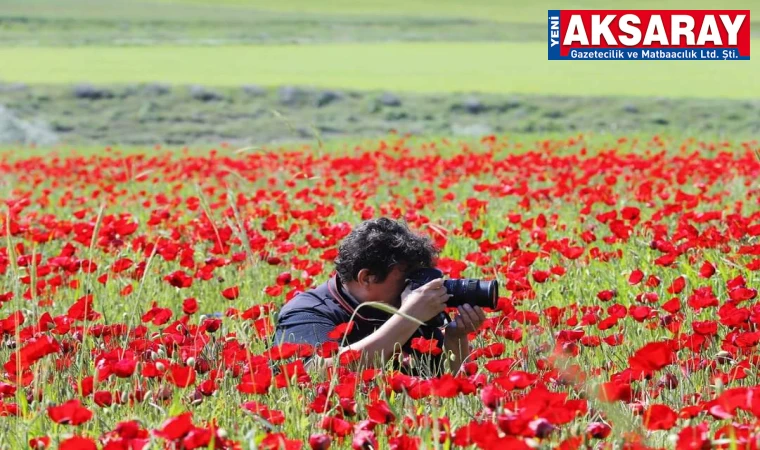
{"type": "Point", "coordinates": [472, 291]}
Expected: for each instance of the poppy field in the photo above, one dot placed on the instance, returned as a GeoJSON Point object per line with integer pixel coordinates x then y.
{"type": "Point", "coordinates": [139, 292]}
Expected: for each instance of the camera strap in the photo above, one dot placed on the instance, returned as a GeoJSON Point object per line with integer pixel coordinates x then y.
{"type": "Point", "coordinates": [332, 287]}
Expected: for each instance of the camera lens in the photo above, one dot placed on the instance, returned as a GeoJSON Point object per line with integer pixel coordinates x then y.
{"type": "Point", "coordinates": [475, 292]}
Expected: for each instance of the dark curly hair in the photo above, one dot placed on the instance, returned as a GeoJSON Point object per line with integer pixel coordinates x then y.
{"type": "Point", "coordinates": [378, 245]}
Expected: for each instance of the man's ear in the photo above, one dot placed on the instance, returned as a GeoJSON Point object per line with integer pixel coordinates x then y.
{"type": "Point", "coordinates": [364, 277]}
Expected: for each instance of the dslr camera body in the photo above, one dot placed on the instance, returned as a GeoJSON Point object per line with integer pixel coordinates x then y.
{"type": "Point", "coordinates": [463, 290]}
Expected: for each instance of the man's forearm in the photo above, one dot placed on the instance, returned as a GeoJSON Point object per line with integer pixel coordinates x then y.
{"type": "Point", "coordinates": [381, 345]}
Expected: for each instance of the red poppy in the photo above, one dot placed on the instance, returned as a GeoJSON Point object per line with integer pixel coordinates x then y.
{"type": "Point", "coordinates": [707, 270]}
{"type": "Point", "coordinates": [190, 306]}
{"type": "Point", "coordinates": [231, 293]}
{"type": "Point", "coordinates": [336, 426]}
{"type": "Point", "coordinates": [636, 277]}
{"type": "Point", "coordinates": [82, 309]}
{"type": "Point", "coordinates": [179, 279]}
{"type": "Point", "coordinates": [77, 443]}
{"type": "Point", "coordinates": [380, 412]}
{"type": "Point", "coordinates": [616, 391]}
{"type": "Point", "coordinates": [103, 398]}
{"type": "Point", "coordinates": [364, 439]}
{"type": "Point", "coordinates": [124, 368]}
{"type": "Point", "coordinates": [39, 443]}
{"type": "Point", "coordinates": [598, 430]}
{"type": "Point", "coordinates": [695, 437]}
{"type": "Point", "coordinates": [428, 346]}
{"type": "Point", "coordinates": [120, 265]}
{"type": "Point", "coordinates": [319, 442]}
{"type": "Point", "coordinates": [653, 356]}
{"type": "Point", "coordinates": [70, 413]}
{"type": "Point", "coordinates": [606, 295]}
{"type": "Point", "coordinates": [659, 417]}
{"type": "Point", "coordinates": [278, 441]}
{"type": "Point", "coordinates": [176, 427]}
{"type": "Point", "coordinates": [181, 376]}
{"type": "Point", "coordinates": [340, 331]}
{"type": "Point", "coordinates": [272, 416]}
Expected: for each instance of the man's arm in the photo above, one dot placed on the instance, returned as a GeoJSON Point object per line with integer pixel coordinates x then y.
{"type": "Point", "coordinates": [423, 303]}
{"type": "Point", "coordinates": [311, 328]}
{"type": "Point", "coordinates": [380, 346]}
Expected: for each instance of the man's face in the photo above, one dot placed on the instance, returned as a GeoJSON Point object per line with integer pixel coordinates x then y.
{"type": "Point", "coordinates": [389, 290]}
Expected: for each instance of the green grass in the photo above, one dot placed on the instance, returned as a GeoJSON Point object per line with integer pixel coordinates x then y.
{"type": "Point", "coordinates": [447, 145]}
{"type": "Point", "coordinates": [151, 22]}
{"type": "Point", "coordinates": [420, 67]}
{"type": "Point", "coordinates": [136, 115]}
{"type": "Point", "coordinates": [490, 10]}
{"type": "Point", "coordinates": [502, 10]}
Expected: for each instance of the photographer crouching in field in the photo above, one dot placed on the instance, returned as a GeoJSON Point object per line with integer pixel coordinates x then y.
{"type": "Point", "coordinates": [382, 261]}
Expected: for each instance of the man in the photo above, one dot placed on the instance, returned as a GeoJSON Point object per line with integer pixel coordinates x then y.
{"type": "Point", "coordinates": [373, 263]}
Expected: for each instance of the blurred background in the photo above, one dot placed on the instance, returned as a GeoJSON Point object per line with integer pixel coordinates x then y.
{"type": "Point", "coordinates": [249, 72]}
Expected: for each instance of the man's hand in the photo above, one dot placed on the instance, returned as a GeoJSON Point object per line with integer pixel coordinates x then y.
{"type": "Point", "coordinates": [425, 302]}
{"type": "Point", "coordinates": [467, 320]}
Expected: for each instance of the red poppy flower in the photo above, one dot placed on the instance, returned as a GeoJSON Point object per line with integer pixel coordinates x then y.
{"type": "Point", "coordinates": [181, 376]}
{"type": "Point", "coordinates": [190, 306]}
{"type": "Point", "coordinates": [319, 442]}
{"type": "Point", "coordinates": [616, 391]}
{"type": "Point", "coordinates": [179, 279]}
{"type": "Point", "coordinates": [39, 443]}
{"type": "Point", "coordinates": [278, 441]}
{"type": "Point", "coordinates": [71, 413]}
{"type": "Point", "coordinates": [598, 430]}
{"type": "Point", "coordinates": [124, 368]}
{"type": "Point", "coordinates": [659, 417]}
{"type": "Point", "coordinates": [336, 426]}
{"type": "Point", "coordinates": [363, 439]}
{"type": "Point", "coordinates": [404, 442]}
{"type": "Point", "coordinates": [176, 427]}
{"type": "Point", "coordinates": [340, 330]}
{"type": "Point", "coordinates": [103, 398]}
{"type": "Point", "coordinates": [428, 346]}
{"type": "Point", "coordinates": [678, 285]}
{"type": "Point", "coordinates": [231, 293]}
{"type": "Point", "coordinates": [707, 270]}
{"type": "Point", "coordinates": [120, 265]}
{"type": "Point", "coordinates": [606, 295]}
{"type": "Point", "coordinates": [653, 356]}
{"type": "Point", "coordinates": [380, 412]}
{"type": "Point", "coordinates": [272, 416]}
{"type": "Point", "coordinates": [636, 277]}
{"type": "Point", "coordinates": [82, 309]}
{"type": "Point", "coordinates": [78, 443]}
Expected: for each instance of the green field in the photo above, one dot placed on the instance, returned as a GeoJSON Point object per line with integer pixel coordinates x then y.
{"type": "Point", "coordinates": [504, 10]}
{"type": "Point", "coordinates": [490, 10]}
{"type": "Point", "coordinates": [419, 67]}
{"type": "Point", "coordinates": [444, 112]}
{"type": "Point", "coordinates": [152, 22]}
{"type": "Point", "coordinates": [433, 56]}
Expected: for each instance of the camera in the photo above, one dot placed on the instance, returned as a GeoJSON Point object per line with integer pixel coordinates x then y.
{"type": "Point", "coordinates": [464, 291]}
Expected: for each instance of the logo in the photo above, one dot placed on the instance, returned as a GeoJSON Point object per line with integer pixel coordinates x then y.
{"type": "Point", "coordinates": [649, 34]}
